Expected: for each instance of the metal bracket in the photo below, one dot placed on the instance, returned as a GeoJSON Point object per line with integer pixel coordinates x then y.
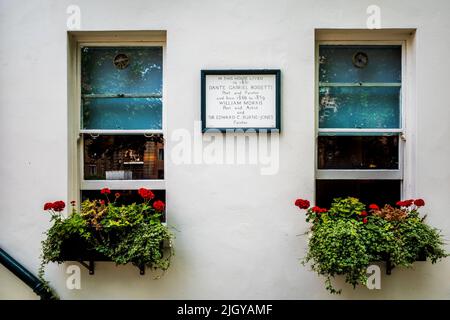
{"type": "Point", "coordinates": [90, 266]}
{"type": "Point", "coordinates": [403, 137]}
{"type": "Point", "coordinates": [389, 267]}
{"type": "Point", "coordinates": [94, 135]}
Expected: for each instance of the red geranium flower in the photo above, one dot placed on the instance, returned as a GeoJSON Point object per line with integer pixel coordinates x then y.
{"type": "Point", "coordinates": [302, 204]}
{"type": "Point", "coordinates": [159, 205]}
{"type": "Point", "coordinates": [363, 214]}
{"type": "Point", "coordinates": [316, 209]}
{"type": "Point", "coordinates": [364, 220]}
{"type": "Point", "coordinates": [117, 195]}
{"type": "Point", "coordinates": [373, 206]}
{"type": "Point", "coordinates": [48, 206]}
{"type": "Point", "coordinates": [102, 202]}
{"type": "Point", "coordinates": [58, 206]}
{"type": "Point", "coordinates": [105, 191]}
{"type": "Point", "coordinates": [405, 203]}
{"type": "Point", "coordinates": [419, 202]}
{"type": "Point", "coordinates": [146, 194]}
{"type": "Point", "coordinates": [323, 210]}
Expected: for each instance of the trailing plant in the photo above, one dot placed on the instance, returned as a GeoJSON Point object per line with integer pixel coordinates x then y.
{"type": "Point", "coordinates": [346, 239]}
{"type": "Point", "coordinates": [124, 234]}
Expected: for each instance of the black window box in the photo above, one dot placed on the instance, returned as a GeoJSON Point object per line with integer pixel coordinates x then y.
{"type": "Point", "coordinates": [78, 249]}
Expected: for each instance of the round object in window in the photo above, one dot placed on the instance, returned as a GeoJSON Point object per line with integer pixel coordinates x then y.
{"type": "Point", "coordinates": [360, 59]}
{"type": "Point", "coordinates": [121, 61]}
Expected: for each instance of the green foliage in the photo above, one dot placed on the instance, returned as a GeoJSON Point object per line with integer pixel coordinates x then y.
{"type": "Point", "coordinates": [346, 208]}
{"type": "Point", "coordinates": [125, 234]}
{"type": "Point", "coordinates": [344, 241]}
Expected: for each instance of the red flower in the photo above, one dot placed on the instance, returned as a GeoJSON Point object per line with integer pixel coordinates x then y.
{"type": "Point", "coordinates": [302, 204]}
{"type": "Point", "coordinates": [58, 206]}
{"type": "Point", "coordinates": [405, 203]}
{"type": "Point", "coordinates": [363, 214]}
{"type": "Point", "coordinates": [105, 191]}
{"type": "Point", "coordinates": [146, 194]}
{"type": "Point", "coordinates": [316, 209]}
{"type": "Point", "coordinates": [419, 202]}
{"type": "Point", "coordinates": [48, 206]}
{"type": "Point", "coordinates": [117, 195]}
{"type": "Point", "coordinates": [373, 206]}
{"type": "Point", "coordinates": [364, 220]}
{"type": "Point", "coordinates": [102, 202]}
{"type": "Point", "coordinates": [159, 205]}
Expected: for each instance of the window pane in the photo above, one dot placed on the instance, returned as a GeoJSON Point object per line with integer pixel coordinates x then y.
{"type": "Point", "coordinates": [126, 197]}
{"type": "Point", "coordinates": [358, 152]}
{"type": "Point", "coordinates": [340, 63]}
{"type": "Point", "coordinates": [121, 70]}
{"type": "Point", "coordinates": [122, 113]}
{"type": "Point", "coordinates": [368, 191]}
{"type": "Point", "coordinates": [115, 157]}
{"type": "Point", "coordinates": [359, 107]}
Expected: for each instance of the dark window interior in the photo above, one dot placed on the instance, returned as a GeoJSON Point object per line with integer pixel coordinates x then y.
{"type": "Point", "coordinates": [380, 192]}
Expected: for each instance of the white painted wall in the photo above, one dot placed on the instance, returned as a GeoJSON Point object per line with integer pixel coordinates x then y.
{"type": "Point", "coordinates": [238, 229]}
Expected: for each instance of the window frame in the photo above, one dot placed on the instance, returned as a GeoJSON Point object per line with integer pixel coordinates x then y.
{"type": "Point", "coordinates": [362, 174]}
{"type": "Point", "coordinates": [154, 184]}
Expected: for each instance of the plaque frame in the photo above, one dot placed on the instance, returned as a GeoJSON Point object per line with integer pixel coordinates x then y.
{"type": "Point", "coordinates": [277, 98]}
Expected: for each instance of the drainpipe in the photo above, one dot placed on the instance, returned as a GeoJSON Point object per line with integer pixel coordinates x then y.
{"type": "Point", "coordinates": [38, 286]}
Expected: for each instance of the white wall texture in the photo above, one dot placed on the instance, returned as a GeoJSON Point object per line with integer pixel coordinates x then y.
{"type": "Point", "coordinates": [238, 230]}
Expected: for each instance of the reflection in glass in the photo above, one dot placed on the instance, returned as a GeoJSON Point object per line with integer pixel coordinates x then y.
{"type": "Point", "coordinates": [359, 107]}
{"type": "Point", "coordinates": [122, 113]}
{"type": "Point", "coordinates": [114, 157]}
{"type": "Point", "coordinates": [358, 152]}
{"type": "Point", "coordinates": [336, 64]}
{"type": "Point", "coordinates": [380, 192]}
{"type": "Point", "coordinates": [121, 88]}
{"type": "Point", "coordinates": [100, 73]}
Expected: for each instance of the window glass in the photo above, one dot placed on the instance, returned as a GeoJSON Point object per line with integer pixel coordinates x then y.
{"type": "Point", "coordinates": [121, 70]}
{"type": "Point", "coordinates": [350, 64]}
{"type": "Point", "coordinates": [122, 113]}
{"type": "Point", "coordinates": [121, 88]}
{"type": "Point", "coordinates": [359, 107]}
{"type": "Point", "coordinates": [358, 152]}
{"type": "Point", "coordinates": [123, 157]}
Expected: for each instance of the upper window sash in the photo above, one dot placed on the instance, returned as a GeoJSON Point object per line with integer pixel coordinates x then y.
{"type": "Point", "coordinates": [121, 88]}
{"type": "Point", "coordinates": [364, 96]}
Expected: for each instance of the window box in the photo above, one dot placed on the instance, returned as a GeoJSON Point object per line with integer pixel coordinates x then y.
{"type": "Point", "coordinates": [348, 237]}
{"type": "Point", "coordinates": [109, 230]}
{"type": "Point", "coordinates": [77, 249]}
